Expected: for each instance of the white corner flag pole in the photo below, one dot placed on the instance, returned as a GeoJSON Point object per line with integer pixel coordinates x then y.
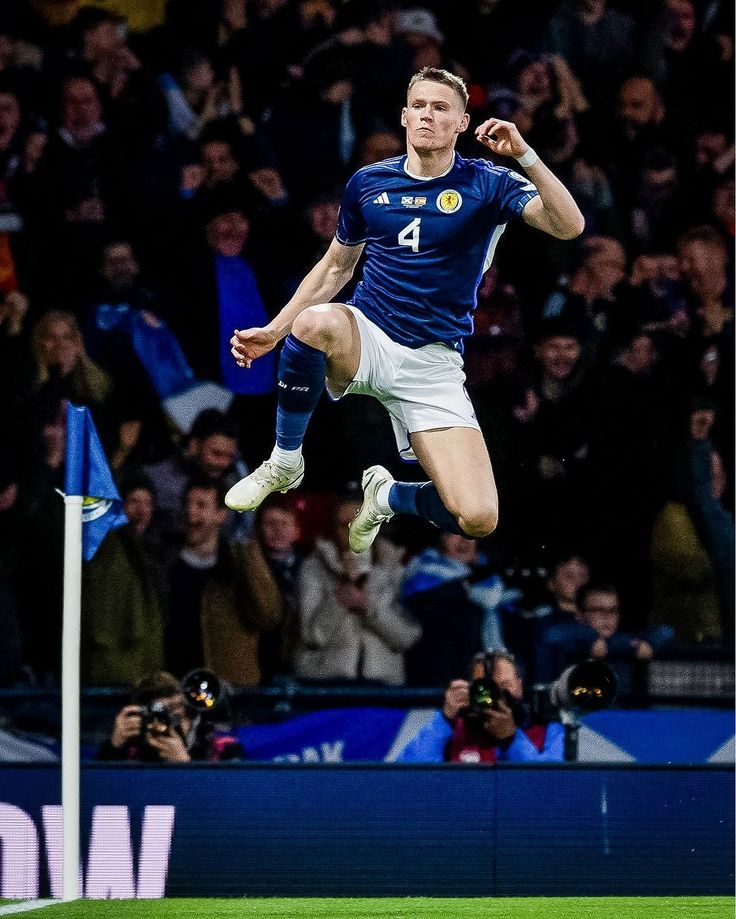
{"type": "Point", "coordinates": [70, 733]}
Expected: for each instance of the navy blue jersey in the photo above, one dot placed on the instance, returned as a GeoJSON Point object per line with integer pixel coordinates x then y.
{"type": "Point", "coordinates": [428, 243]}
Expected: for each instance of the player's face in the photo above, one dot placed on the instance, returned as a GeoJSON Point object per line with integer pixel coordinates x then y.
{"type": "Point", "coordinates": [433, 116]}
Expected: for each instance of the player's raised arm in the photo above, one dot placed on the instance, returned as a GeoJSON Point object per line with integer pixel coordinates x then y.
{"type": "Point", "coordinates": [320, 285]}
{"type": "Point", "coordinates": [554, 211]}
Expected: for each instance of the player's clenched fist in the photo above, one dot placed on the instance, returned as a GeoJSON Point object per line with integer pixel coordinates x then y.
{"type": "Point", "coordinates": [502, 137]}
{"type": "Point", "coordinates": [249, 344]}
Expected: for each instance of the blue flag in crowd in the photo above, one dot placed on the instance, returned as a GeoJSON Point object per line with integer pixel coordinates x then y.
{"type": "Point", "coordinates": [88, 474]}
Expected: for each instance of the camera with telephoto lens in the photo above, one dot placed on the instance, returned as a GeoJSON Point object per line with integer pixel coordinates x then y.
{"type": "Point", "coordinates": [586, 687]}
{"type": "Point", "coordinates": [203, 691]}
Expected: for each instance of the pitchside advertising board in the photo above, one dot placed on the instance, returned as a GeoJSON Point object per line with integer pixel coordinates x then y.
{"type": "Point", "coordinates": [373, 830]}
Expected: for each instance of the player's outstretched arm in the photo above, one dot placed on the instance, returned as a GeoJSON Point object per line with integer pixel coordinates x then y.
{"type": "Point", "coordinates": [324, 281]}
{"type": "Point", "coordinates": [554, 211]}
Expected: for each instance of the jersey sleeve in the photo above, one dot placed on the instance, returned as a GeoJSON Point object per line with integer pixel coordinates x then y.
{"type": "Point", "coordinates": [351, 227]}
{"type": "Point", "coordinates": [510, 192]}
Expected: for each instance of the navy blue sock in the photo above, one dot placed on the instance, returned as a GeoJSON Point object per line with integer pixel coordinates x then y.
{"type": "Point", "coordinates": [422, 499]}
{"type": "Point", "coordinates": [301, 379]}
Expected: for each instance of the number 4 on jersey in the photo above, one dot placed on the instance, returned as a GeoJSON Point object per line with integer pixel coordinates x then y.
{"type": "Point", "coordinates": [409, 236]}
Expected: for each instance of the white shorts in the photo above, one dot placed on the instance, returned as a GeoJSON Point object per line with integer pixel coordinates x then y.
{"type": "Point", "coordinates": [421, 388]}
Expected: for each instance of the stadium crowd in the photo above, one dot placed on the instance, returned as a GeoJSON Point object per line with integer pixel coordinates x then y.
{"type": "Point", "coordinates": [169, 170]}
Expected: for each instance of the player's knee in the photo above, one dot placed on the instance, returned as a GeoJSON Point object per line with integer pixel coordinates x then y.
{"type": "Point", "coordinates": [317, 326]}
{"type": "Point", "coordinates": [480, 521]}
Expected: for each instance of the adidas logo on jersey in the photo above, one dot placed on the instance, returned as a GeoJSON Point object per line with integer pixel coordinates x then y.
{"type": "Point", "coordinates": [382, 199]}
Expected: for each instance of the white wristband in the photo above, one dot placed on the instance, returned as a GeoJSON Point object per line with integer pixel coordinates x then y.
{"type": "Point", "coordinates": [527, 159]}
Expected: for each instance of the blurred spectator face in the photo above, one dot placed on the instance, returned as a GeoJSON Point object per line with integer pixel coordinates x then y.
{"type": "Point", "coordinates": [505, 675]}
{"type": "Point", "coordinates": [640, 356]}
{"type": "Point", "coordinates": [709, 145]}
{"type": "Point", "coordinates": [682, 24]}
{"type": "Point", "coordinates": [101, 40]}
{"type": "Point", "coordinates": [658, 186]}
{"type": "Point", "coordinates": [279, 529]}
{"type": "Point", "coordinates": [592, 7]}
{"type": "Point", "coordinates": [719, 477]}
{"type": "Point", "coordinates": [558, 356]}
{"type": "Point", "coordinates": [215, 454]}
{"type": "Point", "coordinates": [322, 216]}
{"type": "Point", "coordinates": [601, 612]}
{"type": "Point", "coordinates": [81, 112]}
{"type": "Point", "coordinates": [7, 50]}
{"type": "Point", "coordinates": [269, 183]}
{"type": "Point", "coordinates": [9, 119]}
{"type": "Point", "coordinates": [219, 162]}
{"type": "Point", "coordinates": [723, 205]}
{"type": "Point", "coordinates": [380, 145]}
{"type": "Point", "coordinates": [138, 506]}
{"type": "Point", "coordinates": [535, 79]}
{"type": "Point", "coordinates": [58, 342]}
{"type": "Point", "coordinates": [228, 233]}
{"type": "Point", "coordinates": [8, 497]}
{"type": "Point", "coordinates": [199, 76]}
{"type": "Point", "coordinates": [119, 266]}
{"type": "Point", "coordinates": [606, 261]}
{"type": "Point", "coordinates": [458, 548]}
{"type": "Point", "coordinates": [702, 263]}
{"type": "Point", "coordinates": [568, 577]}
{"type": "Point", "coordinates": [337, 92]}
{"type": "Point", "coordinates": [203, 515]}
{"type": "Point", "coordinates": [639, 106]}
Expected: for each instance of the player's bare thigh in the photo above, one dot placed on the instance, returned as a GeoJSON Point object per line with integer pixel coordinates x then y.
{"type": "Point", "coordinates": [332, 329]}
{"type": "Point", "coordinates": [457, 461]}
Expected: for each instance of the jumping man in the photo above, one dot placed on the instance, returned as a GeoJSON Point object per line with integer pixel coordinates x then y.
{"type": "Point", "coordinates": [429, 223]}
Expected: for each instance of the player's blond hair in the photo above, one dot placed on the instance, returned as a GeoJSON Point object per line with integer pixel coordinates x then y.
{"type": "Point", "coordinates": [437, 75]}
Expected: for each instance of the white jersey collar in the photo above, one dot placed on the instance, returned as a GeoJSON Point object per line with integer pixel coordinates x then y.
{"type": "Point", "coordinates": [429, 178]}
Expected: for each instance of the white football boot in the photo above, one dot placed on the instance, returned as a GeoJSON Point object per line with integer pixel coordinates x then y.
{"type": "Point", "coordinates": [367, 522]}
{"type": "Point", "coordinates": [250, 492]}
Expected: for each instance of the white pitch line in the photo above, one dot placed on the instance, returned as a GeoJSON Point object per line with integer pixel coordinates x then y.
{"type": "Point", "coordinates": [26, 906]}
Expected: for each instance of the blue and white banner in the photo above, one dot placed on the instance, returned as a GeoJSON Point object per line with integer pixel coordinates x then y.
{"type": "Point", "coordinates": [679, 736]}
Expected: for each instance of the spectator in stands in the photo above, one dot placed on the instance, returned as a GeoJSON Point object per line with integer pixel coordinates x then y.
{"type": "Point", "coordinates": [692, 544]}
{"type": "Point", "coordinates": [221, 597]}
{"type": "Point", "coordinates": [454, 594]}
{"type": "Point", "coordinates": [506, 733]}
{"type": "Point", "coordinates": [124, 597]}
{"type": "Point", "coordinates": [210, 452]}
{"type": "Point", "coordinates": [130, 99]}
{"type": "Point", "coordinates": [88, 180]}
{"type": "Point", "coordinates": [160, 727]}
{"type": "Point", "coordinates": [595, 40]}
{"type": "Point", "coordinates": [553, 420]}
{"type": "Point", "coordinates": [64, 371]}
{"type": "Point", "coordinates": [537, 609]}
{"type": "Point", "coordinates": [274, 550]}
{"type": "Point", "coordinates": [595, 633]}
{"type": "Point", "coordinates": [713, 521]}
{"type": "Point", "coordinates": [221, 291]}
{"type": "Point", "coordinates": [196, 96]}
{"type": "Point", "coordinates": [352, 625]}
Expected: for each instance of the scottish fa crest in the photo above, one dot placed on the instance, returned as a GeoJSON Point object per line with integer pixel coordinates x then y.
{"type": "Point", "coordinates": [92, 508]}
{"type": "Point", "coordinates": [449, 201]}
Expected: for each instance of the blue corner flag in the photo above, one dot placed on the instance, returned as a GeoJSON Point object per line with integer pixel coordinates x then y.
{"type": "Point", "coordinates": [88, 475]}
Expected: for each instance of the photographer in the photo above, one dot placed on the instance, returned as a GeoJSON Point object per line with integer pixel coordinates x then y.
{"type": "Point", "coordinates": [160, 727]}
{"type": "Point", "coordinates": [503, 731]}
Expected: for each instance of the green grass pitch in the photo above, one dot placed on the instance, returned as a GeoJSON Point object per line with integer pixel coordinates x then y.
{"type": "Point", "coordinates": [399, 908]}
